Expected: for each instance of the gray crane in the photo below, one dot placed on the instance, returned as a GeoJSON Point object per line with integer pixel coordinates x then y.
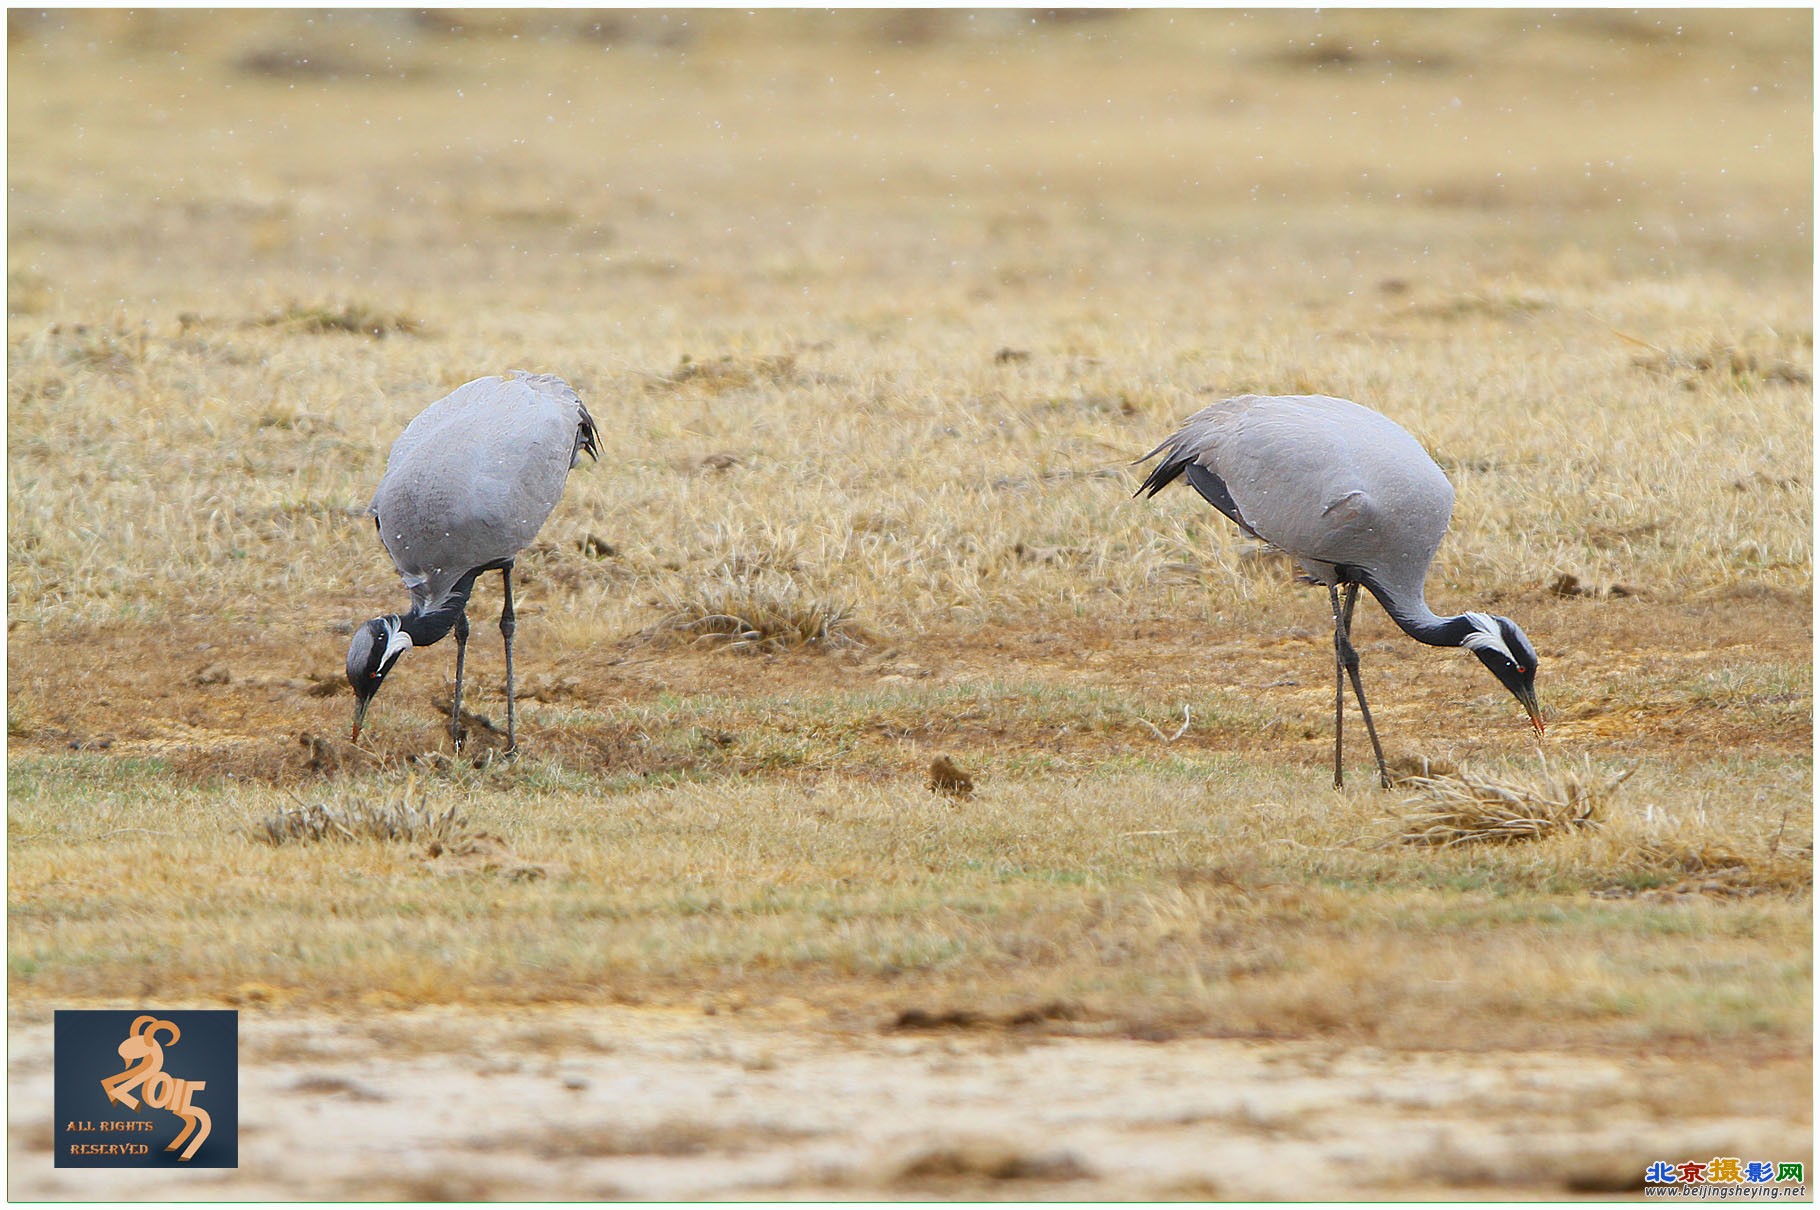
{"type": "Point", "coordinates": [467, 485]}
{"type": "Point", "coordinates": [1353, 499]}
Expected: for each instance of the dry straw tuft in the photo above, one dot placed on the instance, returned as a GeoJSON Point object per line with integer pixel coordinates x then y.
{"type": "Point", "coordinates": [359, 820]}
{"type": "Point", "coordinates": [728, 372]}
{"type": "Point", "coordinates": [354, 318]}
{"type": "Point", "coordinates": [758, 615]}
{"type": "Point", "coordinates": [1459, 808]}
{"type": "Point", "coordinates": [1699, 867]}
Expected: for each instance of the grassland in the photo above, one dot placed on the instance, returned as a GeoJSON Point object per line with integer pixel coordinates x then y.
{"type": "Point", "coordinates": [874, 310]}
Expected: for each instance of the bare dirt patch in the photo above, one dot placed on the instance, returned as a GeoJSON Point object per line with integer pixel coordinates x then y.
{"type": "Point", "coordinates": [136, 698]}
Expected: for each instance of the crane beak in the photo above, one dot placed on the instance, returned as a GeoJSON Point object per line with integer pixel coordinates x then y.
{"type": "Point", "coordinates": [360, 717]}
{"type": "Point", "coordinates": [1528, 697]}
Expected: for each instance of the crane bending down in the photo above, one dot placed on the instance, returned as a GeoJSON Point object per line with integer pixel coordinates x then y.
{"type": "Point", "coordinates": [467, 485]}
{"type": "Point", "coordinates": [1353, 499]}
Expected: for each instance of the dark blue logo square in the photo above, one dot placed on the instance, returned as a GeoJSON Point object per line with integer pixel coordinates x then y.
{"type": "Point", "coordinates": [147, 1089]}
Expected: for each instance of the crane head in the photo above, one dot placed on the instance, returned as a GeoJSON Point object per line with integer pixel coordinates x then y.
{"type": "Point", "coordinates": [1502, 647]}
{"type": "Point", "coordinates": [376, 646]}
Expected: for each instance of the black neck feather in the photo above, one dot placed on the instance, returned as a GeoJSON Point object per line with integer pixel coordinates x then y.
{"type": "Point", "coordinates": [430, 625]}
{"type": "Point", "coordinates": [1413, 615]}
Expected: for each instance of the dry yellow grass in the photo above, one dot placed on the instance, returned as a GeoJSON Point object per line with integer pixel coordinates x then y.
{"type": "Point", "coordinates": [874, 310]}
{"type": "Point", "coordinates": [838, 234]}
{"type": "Point", "coordinates": [1161, 901]}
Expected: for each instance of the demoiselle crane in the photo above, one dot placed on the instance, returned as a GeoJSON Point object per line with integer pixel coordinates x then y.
{"type": "Point", "coordinates": [1353, 499]}
{"type": "Point", "coordinates": [467, 485]}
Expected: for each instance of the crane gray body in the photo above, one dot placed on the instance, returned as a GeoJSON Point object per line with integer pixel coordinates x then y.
{"type": "Point", "coordinates": [1354, 500]}
{"type": "Point", "coordinates": [1332, 484]}
{"type": "Point", "coordinates": [467, 485]}
{"type": "Point", "coordinates": [474, 476]}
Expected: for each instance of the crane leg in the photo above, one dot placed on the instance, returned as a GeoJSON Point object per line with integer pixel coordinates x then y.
{"type": "Point", "coordinates": [461, 659]}
{"type": "Point", "coordinates": [1348, 658]}
{"type": "Point", "coordinates": [508, 625]}
{"type": "Point", "coordinates": [1339, 688]}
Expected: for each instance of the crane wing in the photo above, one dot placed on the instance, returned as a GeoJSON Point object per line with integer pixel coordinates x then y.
{"type": "Point", "coordinates": [474, 477]}
{"type": "Point", "coordinates": [1323, 479]}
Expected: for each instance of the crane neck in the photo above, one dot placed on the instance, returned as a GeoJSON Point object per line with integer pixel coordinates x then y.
{"type": "Point", "coordinates": [1411, 613]}
{"type": "Point", "coordinates": [428, 625]}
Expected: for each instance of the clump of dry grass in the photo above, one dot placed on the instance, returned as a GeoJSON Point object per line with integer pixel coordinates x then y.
{"type": "Point", "coordinates": [1648, 863]}
{"type": "Point", "coordinates": [727, 372]}
{"type": "Point", "coordinates": [1461, 808]}
{"type": "Point", "coordinates": [359, 820]}
{"type": "Point", "coordinates": [115, 346]}
{"type": "Point", "coordinates": [1724, 361]}
{"type": "Point", "coordinates": [356, 318]}
{"type": "Point", "coordinates": [758, 614]}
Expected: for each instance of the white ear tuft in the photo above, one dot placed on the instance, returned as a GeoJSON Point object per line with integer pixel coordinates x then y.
{"type": "Point", "coordinates": [396, 640]}
{"type": "Point", "coordinates": [1486, 636]}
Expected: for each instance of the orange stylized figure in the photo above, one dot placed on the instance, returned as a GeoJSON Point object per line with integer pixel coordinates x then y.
{"type": "Point", "coordinates": [145, 1065]}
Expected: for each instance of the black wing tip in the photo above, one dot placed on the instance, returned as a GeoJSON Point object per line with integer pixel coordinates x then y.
{"type": "Point", "coordinates": [587, 434]}
{"type": "Point", "coordinates": [1162, 474]}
